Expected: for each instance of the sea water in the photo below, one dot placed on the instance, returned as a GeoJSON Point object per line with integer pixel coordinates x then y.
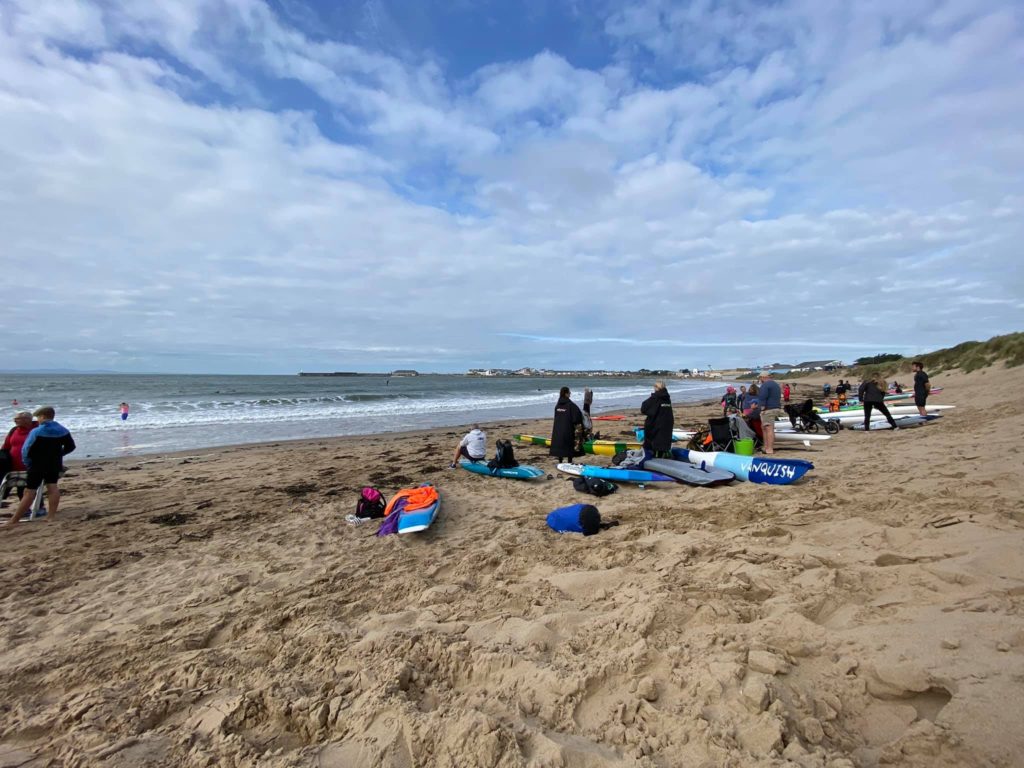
{"type": "Point", "coordinates": [175, 413]}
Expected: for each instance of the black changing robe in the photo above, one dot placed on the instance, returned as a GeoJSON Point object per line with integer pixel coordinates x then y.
{"type": "Point", "coordinates": [563, 431]}
{"type": "Point", "coordinates": [658, 422]}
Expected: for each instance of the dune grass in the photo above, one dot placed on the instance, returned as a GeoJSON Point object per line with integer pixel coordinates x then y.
{"type": "Point", "coordinates": [968, 356]}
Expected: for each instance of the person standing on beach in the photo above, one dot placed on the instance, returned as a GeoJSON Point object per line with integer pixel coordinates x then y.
{"type": "Point", "coordinates": [770, 397]}
{"type": "Point", "coordinates": [922, 386]}
{"type": "Point", "coordinates": [741, 398]}
{"type": "Point", "coordinates": [563, 431]}
{"type": "Point", "coordinates": [43, 453]}
{"type": "Point", "coordinates": [872, 395]}
{"type": "Point", "coordinates": [473, 446]}
{"type": "Point", "coordinates": [785, 392]}
{"type": "Point", "coordinates": [659, 422]}
{"type": "Point", "coordinates": [124, 411]}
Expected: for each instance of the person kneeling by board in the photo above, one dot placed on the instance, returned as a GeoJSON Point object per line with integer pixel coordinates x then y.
{"type": "Point", "coordinates": [578, 518]}
{"type": "Point", "coordinates": [473, 446]}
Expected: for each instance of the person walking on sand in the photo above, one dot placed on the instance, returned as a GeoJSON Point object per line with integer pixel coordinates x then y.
{"type": "Point", "coordinates": [43, 453]}
{"type": "Point", "coordinates": [124, 411]}
{"type": "Point", "coordinates": [473, 446]}
{"type": "Point", "coordinates": [922, 386]}
{"type": "Point", "coordinates": [563, 430]}
{"type": "Point", "coordinates": [770, 397]}
{"type": "Point", "coordinates": [872, 395]}
{"type": "Point", "coordinates": [658, 422]}
{"type": "Point", "coordinates": [785, 392]}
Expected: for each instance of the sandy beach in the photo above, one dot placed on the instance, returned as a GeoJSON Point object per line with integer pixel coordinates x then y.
{"type": "Point", "coordinates": [214, 608]}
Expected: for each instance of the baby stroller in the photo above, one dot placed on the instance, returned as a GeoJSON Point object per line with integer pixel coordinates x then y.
{"type": "Point", "coordinates": [804, 418]}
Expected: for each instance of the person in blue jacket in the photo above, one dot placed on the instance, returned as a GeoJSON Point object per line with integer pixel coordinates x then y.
{"type": "Point", "coordinates": [43, 452]}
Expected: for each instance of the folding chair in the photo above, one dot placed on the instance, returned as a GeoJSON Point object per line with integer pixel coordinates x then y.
{"type": "Point", "coordinates": [721, 434]}
{"type": "Point", "coordinates": [17, 481]}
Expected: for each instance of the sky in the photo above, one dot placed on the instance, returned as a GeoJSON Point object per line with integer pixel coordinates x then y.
{"type": "Point", "coordinates": [268, 186]}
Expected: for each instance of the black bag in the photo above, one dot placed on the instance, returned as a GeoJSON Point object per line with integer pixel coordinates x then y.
{"type": "Point", "coordinates": [371, 503]}
{"type": "Point", "coordinates": [504, 456]}
{"type": "Point", "coordinates": [595, 486]}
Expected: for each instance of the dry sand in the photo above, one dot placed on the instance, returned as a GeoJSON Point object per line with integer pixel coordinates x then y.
{"type": "Point", "coordinates": [216, 609]}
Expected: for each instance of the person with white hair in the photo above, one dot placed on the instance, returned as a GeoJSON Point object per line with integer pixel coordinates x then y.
{"type": "Point", "coordinates": [13, 461]}
{"type": "Point", "coordinates": [473, 446]}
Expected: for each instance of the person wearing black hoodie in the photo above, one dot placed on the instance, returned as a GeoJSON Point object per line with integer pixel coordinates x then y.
{"type": "Point", "coordinates": [658, 422]}
{"type": "Point", "coordinates": [872, 395]}
{"type": "Point", "coordinates": [563, 431]}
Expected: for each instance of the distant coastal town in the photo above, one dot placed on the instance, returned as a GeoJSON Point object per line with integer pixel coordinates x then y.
{"type": "Point", "coordinates": [682, 373]}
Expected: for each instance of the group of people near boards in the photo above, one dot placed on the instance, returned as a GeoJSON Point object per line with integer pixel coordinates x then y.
{"type": "Point", "coordinates": [761, 405]}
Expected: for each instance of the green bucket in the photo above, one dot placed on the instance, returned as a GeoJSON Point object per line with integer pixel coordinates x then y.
{"type": "Point", "coordinates": [743, 447]}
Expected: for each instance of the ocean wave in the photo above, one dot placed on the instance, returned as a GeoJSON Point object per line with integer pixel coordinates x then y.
{"type": "Point", "coordinates": [348, 407]}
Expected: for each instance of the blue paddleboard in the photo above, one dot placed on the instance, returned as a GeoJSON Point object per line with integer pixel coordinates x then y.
{"type": "Point", "coordinates": [522, 472]}
{"type": "Point", "coordinates": [769, 471]}
{"type": "Point", "coordinates": [419, 519]}
{"type": "Point", "coordinates": [615, 474]}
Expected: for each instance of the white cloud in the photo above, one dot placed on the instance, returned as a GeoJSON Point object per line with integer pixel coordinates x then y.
{"type": "Point", "coordinates": [776, 167]}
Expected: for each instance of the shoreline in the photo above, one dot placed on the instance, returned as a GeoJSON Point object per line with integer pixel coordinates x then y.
{"type": "Point", "coordinates": [519, 426]}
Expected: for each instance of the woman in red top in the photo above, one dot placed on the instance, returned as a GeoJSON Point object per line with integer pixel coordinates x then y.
{"type": "Point", "coordinates": [23, 424]}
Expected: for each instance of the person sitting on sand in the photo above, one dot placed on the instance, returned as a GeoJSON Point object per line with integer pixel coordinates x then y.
{"type": "Point", "coordinates": [563, 431]}
{"type": "Point", "coordinates": [43, 453]}
{"type": "Point", "coordinates": [473, 446]}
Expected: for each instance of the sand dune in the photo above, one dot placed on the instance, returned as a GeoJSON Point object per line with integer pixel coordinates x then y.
{"type": "Point", "coordinates": [215, 609]}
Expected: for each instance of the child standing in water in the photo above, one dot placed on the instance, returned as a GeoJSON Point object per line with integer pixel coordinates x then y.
{"type": "Point", "coordinates": [124, 411]}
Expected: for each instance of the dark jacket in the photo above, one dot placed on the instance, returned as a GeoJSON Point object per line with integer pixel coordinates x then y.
{"type": "Point", "coordinates": [563, 431]}
{"type": "Point", "coordinates": [659, 422]}
{"type": "Point", "coordinates": [46, 446]}
{"type": "Point", "coordinates": [920, 379]}
{"type": "Point", "coordinates": [870, 392]}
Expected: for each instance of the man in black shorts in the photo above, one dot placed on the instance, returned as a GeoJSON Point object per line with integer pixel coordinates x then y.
{"type": "Point", "coordinates": [43, 452]}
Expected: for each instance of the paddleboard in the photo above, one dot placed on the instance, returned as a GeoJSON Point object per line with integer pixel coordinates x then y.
{"type": "Point", "coordinates": [595, 447]}
{"type": "Point", "coordinates": [857, 417]}
{"type": "Point", "coordinates": [419, 519]}
{"type": "Point", "coordinates": [895, 410]}
{"type": "Point", "coordinates": [688, 473]}
{"type": "Point", "coordinates": [786, 435]}
{"type": "Point", "coordinates": [611, 417]}
{"type": "Point", "coordinates": [768, 470]}
{"type": "Point", "coordinates": [903, 422]}
{"type": "Point", "coordinates": [615, 474]}
{"type": "Point", "coordinates": [522, 472]}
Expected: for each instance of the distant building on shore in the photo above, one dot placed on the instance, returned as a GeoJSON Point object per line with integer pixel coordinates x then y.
{"type": "Point", "coordinates": [817, 365]}
{"type": "Point", "coordinates": [405, 372]}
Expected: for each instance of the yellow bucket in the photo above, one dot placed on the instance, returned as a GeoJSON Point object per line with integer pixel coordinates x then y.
{"type": "Point", "coordinates": [743, 447]}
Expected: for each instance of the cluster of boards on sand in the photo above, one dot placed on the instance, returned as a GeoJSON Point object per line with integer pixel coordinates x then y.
{"type": "Point", "coordinates": [701, 468]}
{"type": "Point", "coordinates": [692, 467]}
